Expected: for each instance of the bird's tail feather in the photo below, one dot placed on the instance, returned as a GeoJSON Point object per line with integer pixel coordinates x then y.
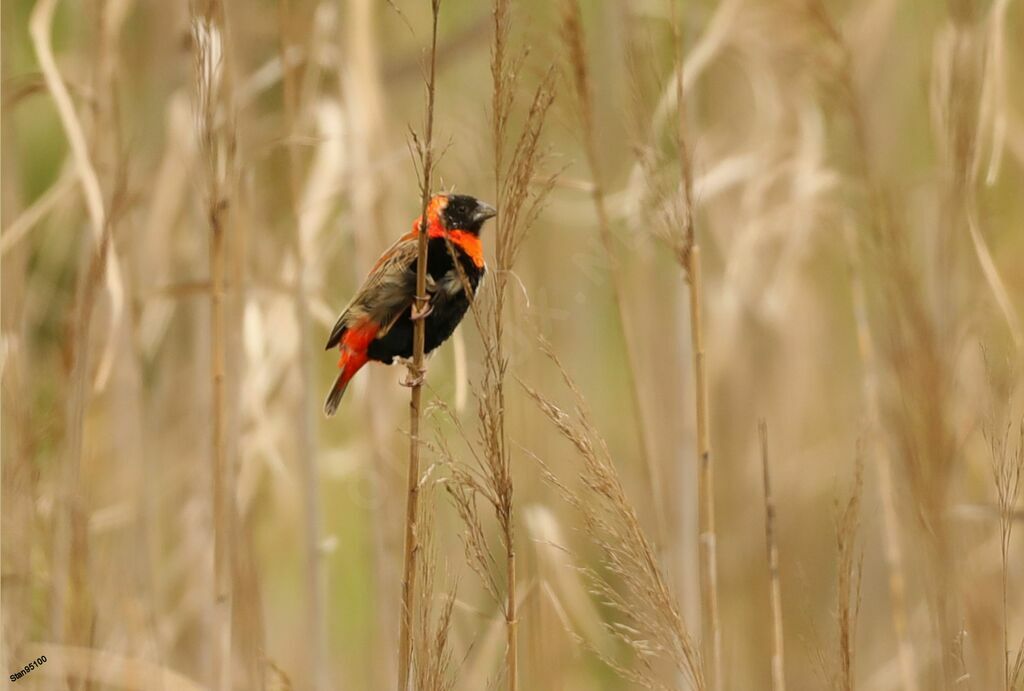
{"type": "Point", "coordinates": [350, 363]}
{"type": "Point", "coordinates": [335, 394]}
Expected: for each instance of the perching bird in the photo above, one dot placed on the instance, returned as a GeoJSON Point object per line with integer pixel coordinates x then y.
{"type": "Point", "coordinates": [378, 323]}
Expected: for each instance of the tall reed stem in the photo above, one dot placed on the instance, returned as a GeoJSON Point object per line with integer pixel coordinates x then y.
{"type": "Point", "coordinates": [221, 516]}
{"type": "Point", "coordinates": [876, 219]}
{"type": "Point", "coordinates": [573, 35]}
{"type": "Point", "coordinates": [712, 640]}
{"type": "Point", "coordinates": [215, 130]}
{"type": "Point", "coordinates": [501, 102]}
{"type": "Point", "coordinates": [416, 373]}
{"type": "Point", "coordinates": [221, 486]}
{"type": "Point", "coordinates": [316, 631]}
{"type": "Point", "coordinates": [512, 653]}
{"type": "Point", "coordinates": [892, 548]}
{"type": "Point", "coordinates": [71, 537]}
{"type": "Point", "coordinates": [778, 658]}
{"type": "Point", "coordinates": [689, 257]}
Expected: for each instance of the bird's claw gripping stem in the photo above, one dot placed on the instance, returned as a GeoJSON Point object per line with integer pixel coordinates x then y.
{"type": "Point", "coordinates": [415, 376]}
{"type": "Point", "coordinates": [418, 313]}
{"type": "Point", "coordinates": [411, 381]}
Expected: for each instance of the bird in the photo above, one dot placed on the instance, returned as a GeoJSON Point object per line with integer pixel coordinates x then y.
{"type": "Point", "coordinates": [378, 322]}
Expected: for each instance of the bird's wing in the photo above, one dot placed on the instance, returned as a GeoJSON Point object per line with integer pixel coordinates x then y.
{"type": "Point", "coordinates": [387, 291]}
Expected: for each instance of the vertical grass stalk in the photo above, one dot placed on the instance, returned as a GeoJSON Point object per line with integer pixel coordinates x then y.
{"type": "Point", "coordinates": [519, 200]}
{"type": "Point", "coordinates": [712, 641]}
{"type": "Point", "coordinates": [221, 486]}
{"type": "Point", "coordinates": [775, 588]}
{"type": "Point", "coordinates": [573, 37]}
{"type": "Point", "coordinates": [850, 568]}
{"type": "Point", "coordinates": [215, 122]}
{"type": "Point", "coordinates": [892, 547]}
{"type": "Point", "coordinates": [426, 155]}
{"type": "Point", "coordinates": [675, 225]}
{"type": "Point", "coordinates": [316, 631]}
{"type": "Point", "coordinates": [690, 258]}
{"type": "Point", "coordinates": [71, 530]}
{"type": "Point", "coordinates": [880, 232]}
{"type": "Point", "coordinates": [1008, 473]}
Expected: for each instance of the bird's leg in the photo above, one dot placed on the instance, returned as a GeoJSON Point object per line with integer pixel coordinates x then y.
{"type": "Point", "coordinates": [414, 376]}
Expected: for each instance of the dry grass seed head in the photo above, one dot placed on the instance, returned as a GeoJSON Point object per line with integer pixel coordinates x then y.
{"type": "Point", "coordinates": [432, 663]}
{"type": "Point", "coordinates": [631, 582]}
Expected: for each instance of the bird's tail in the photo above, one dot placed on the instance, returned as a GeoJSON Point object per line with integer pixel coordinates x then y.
{"type": "Point", "coordinates": [351, 362]}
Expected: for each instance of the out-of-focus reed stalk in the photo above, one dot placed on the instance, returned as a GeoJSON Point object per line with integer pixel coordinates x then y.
{"type": "Point", "coordinates": [18, 479]}
{"type": "Point", "coordinates": [878, 220]}
{"type": "Point", "coordinates": [775, 588]}
{"type": "Point", "coordinates": [368, 198]}
{"type": "Point", "coordinates": [425, 153]}
{"type": "Point", "coordinates": [575, 41]}
{"type": "Point", "coordinates": [682, 231]}
{"type": "Point", "coordinates": [891, 544]}
{"type": "Point", "coordinates": [32, 216]}
{"type": "Point", "coordinates": [848, 581]}
{"type": "Point", "coordinates": [74, 609]}
{"type": "Point", "coordinates": [892, 547]}
{"type": "Point", "coordinates": [366, 125]}
{"type": "Point", "coordinates": [315, 624]}
{"type": "Point", "coordinates": [71, 542]}
{"type": "Point", "coordinates": [964, 70]}
{"type": "Point", "coordinates": [40, 25]}
{"type": "Point", "coordinates": [215, 123]}
{"type": "Point", "coordinates": [126, 389]}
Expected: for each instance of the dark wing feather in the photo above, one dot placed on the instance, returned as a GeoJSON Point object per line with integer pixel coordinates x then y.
{"type": "Point", "coordinates": [387, 291]}
{"type": "Point", "coordinates": [338, 331]}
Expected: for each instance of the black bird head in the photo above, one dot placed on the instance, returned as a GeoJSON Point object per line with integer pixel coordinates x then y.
{"type": "Point", "coordinates": [463, 212]}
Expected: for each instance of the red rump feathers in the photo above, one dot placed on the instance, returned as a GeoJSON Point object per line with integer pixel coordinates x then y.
{"type": "Point", "coordinates": [353, 348]}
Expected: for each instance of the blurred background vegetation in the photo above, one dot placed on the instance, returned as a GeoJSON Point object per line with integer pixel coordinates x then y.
{"type": "Point", "coordinates": [858, 170]}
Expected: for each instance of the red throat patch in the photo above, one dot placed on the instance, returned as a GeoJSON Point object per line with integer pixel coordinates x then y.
{"type": "Point", "coordinates": [467, 242]}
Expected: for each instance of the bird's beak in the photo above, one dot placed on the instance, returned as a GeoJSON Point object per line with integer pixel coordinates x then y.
{"type": "Point", "coordinates": [483, 212]}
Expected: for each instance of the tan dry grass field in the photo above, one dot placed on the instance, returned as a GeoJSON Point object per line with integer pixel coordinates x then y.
{"type": "Point", "coordinates": [739, 406]}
